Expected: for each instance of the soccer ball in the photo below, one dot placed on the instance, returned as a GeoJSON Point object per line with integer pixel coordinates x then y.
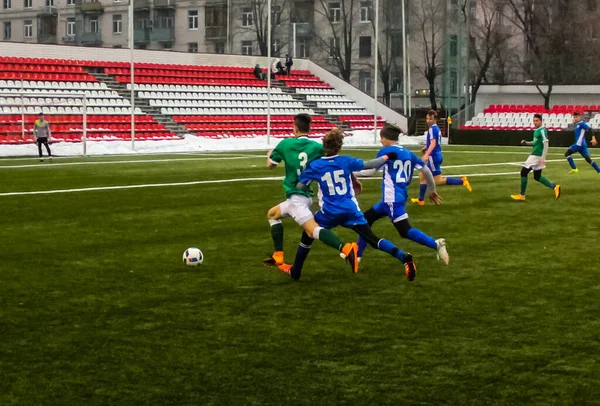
{"type": "Point", "coordinates": [193, 257]}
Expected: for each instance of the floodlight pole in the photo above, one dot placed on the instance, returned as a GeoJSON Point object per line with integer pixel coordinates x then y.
{"type": "Point", "coordinates": [404, 54]}
{"type": "Point", "coordinates": [269, 71]}
{"type": "Point", "coordinates": [132, 74]}
{"type": "Point", "coordinates": [376, 87]}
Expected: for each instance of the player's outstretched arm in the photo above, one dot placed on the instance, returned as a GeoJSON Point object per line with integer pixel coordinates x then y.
{"type": "Point", "coordinates": [525, 142]}
{"type": "Point", "coordinates": [433, 196]}
{"type": "Point", "coordinates": [375, 163]}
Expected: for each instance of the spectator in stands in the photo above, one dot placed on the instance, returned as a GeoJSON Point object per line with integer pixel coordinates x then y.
{"type": "Point", "coordinates": [42, 134]}
{"type": "Point", "coordinates": [288, 63]}
{"type": "Point", "coordinates": [258, 72]}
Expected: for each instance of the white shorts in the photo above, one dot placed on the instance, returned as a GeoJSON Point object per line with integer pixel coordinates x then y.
{"type": "Point", "coordinates": [534, 162]}
{"type": "Point", "coordinates": [298, 208]}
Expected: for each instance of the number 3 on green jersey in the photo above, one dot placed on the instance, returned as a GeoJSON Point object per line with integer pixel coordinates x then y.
{"type": "Point", "coordinates": [297, 153]}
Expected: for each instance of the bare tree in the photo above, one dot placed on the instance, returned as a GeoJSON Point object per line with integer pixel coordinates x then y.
{"type": "Point", "coordinates": [340, 23]}
{"type": "Point", "coordinates": [259, 26]}
{"type": "Point", "coordinates": [389, 48]}
{"type": "Point", "coordinates": [428, 18]}
{"type": "Point", "coordinates": [488, 36]}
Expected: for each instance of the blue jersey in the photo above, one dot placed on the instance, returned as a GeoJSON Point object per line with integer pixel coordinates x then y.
{"type": "Point", "coordinates": [434, 133]}
{"type": "Point", "coordinates": [580, 129]}
{"type": "Point", "coordinates": [398, 174]}
{"type": "Point", "coordinates": [336, 194]}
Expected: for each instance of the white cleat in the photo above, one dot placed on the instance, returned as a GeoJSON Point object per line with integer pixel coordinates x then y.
{"type": "Point", "coordinates": [344, 257]}
{"type": "Point", "coordinates": [442, 252]}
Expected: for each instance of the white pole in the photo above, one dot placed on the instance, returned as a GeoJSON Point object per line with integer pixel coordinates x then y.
{"type": "Point", "coordinates": [376, 87]}
{"type": "Point", "coordinates": [84, 137]}
{"type": "Point", "coordinates": [404, 67]}
{"type": "Point", "coordinates": [270, 71]}
{"type": "Point", "coordinates": [131, 68]}
{"type": "Point", "coordinates": [294, 25]}
{"type": "Point", "coordinates": [409, 84]}
{"type": "Point", "coordinates": [228, 26]}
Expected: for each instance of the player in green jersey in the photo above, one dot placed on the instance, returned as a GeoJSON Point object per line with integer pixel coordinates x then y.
{"type": "Point", "coordinates": [297, 153]}
{"type": "Point", "coordinates": [537, 160]}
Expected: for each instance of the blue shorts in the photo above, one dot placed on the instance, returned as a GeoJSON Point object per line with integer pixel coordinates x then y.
{"type": "Point", "coordinates": [347, 220]}
{"type": "Point", "coordinates": [582, 149]}
{"type": "Point", "coordinates": [435, 164]}
{"type": "Point", "coordinates": [394, 211]}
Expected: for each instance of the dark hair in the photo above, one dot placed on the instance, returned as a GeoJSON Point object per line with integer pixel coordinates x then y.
{"type": "Point", "coordinates": [432, 113]}
{"type": "Point", "coordinates": [576, 114]}
{"type": "Point", "coordinates": [302, 122]}
{"type": "Point", "coordinates": [538, 116]}
{"type": "Point", "coordinates": [333, 141]}
{"type": "Point", "coordinates": [390, 131]}
{"type": "Point", "coordinates": [41, 113]}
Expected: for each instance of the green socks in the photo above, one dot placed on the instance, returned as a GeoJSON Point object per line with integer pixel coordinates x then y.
{"type": "Point", "coordinates": [547, 183]}
{"type": "Point", "coordinates": [329, 238]}
{"type": "Point", "coordinates": [277, 234]}
{"type": "Point", "coordinates": [523, 185]}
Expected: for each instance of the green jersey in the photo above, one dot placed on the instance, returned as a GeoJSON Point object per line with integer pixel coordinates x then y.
{"type": "Point", "coordinates": [539, 137]}
{"type": "Point", "coordinates": [297, 153]}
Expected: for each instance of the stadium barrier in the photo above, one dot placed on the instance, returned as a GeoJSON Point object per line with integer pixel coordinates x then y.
{"type": "Point", "coordinates": [506, 138]}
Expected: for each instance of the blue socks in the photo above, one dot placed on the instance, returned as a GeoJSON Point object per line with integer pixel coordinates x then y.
{"type": "Point", "coordinates": [422, 191]}
{"type": "Point", "coordinates": [301, 254]}
{"type": "Point", "coordinates": [362, 246]}
{"type": "Point", "coordinates": [454, 181]}
{"type": "Point", "coordinates": [420, 237]}
{"type": "Point", "coordinates": [571, 162]}
{"type": "Point", "coordinates": [595, 166]}
{"type": "Point", "coordinates": [386, 246]}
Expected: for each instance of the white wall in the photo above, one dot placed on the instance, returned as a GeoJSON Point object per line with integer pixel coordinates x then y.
{"type": "Point", "coordinates": [528, 94]}
{"type": "Point", "coordinates": [123, 55]}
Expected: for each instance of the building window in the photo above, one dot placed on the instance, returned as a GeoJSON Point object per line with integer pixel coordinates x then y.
{"type": "Point", "coordinates": [7, 30]}
{"type": "Point", "coordinates": [301, 48]}
{"type": "Point", "coordinates": [193, 19]}
{"type": "Point", "coordinates": [334, 47]}
{"type": "Point", "coordinates": [247, 17]}
{"type": "Point", "coordinates": [453, 81]}
{"type": "Point", "coordinates": [219, 47]}
{"type": "Point", "coordinates": [276, 51]}
{"type": "Point", "coordinates": [49, 3]}
{"type": "Point", "coordinates": [453, 45]}
{"type": "Point", "coordinates": [7, 4]}
{"type": "Point", "coordinates": [28, 28]}
{"type": "Point", "coordinates": [365, 12]}
{"type": "Point", "coordinates": [117, 23]}
{"type": "Point", "coordinates": [335, 12]}
{"type": "Point", "coordinates": [70, 2]}
{"type": "Point", "coordinates": [364, 47]}
{"type": "Point", "coordinates": [94, 25]}
{"type": "Point", "coordinates": [396, 82]}
{"type": "Point", "coordinates": [70, 27]}
{"type": "Point", "coordinates": [396, 45]}
{"type": "Point", "coordinates": [364, 81]}
{"type": "Point", "coordinates": [27, 3]}
{"type": "Point", "coordinates": [276, 17]}
{"type": "Point", "coordinates": [246, 47]}
{"type": "Point", "coordinates": [192, 47]}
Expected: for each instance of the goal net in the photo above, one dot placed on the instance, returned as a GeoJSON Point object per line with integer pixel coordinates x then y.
{"type": "Point", "coordinates": [67, 113]}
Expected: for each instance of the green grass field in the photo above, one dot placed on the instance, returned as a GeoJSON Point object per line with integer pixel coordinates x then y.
{"type": "Point", "coordinates": [97, 308]}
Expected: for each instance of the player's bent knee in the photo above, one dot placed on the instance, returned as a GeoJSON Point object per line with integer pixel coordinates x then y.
{"type": "Point", "coordinates": [403, 227]}
{"type": "Point", "coordinates": [537, 175]}
{"type": "Point", "coordinates": [587, 159]}
{"type": "Point", "coordinates": [525, 172]}
{"type": "Point", "coordinates": [274, 213]}
{"type": "Point", "coordinates": [310, 226]}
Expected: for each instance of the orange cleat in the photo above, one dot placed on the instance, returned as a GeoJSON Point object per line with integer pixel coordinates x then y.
{"type": "Point", "coordinates": [419, 202]}
{"type": "Point", "coordinates": [410, 267]}
{"type": "Point", "coordinates": [274, 260]}
{"type": "Point", "coordinates": [350, 250]}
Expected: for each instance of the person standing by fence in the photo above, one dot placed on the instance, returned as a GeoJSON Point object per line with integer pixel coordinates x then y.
{"type": "Point", "coordinates": [42, 134]}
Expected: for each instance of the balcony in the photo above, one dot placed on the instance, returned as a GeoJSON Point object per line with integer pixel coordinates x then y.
{"type": "Point", "coordinates": [141, 35]}
{"type": "Point", "coordinates": [164, 3]}
{"type": "Point", "coordinates": [48, 11]}
{"type": "Point", "coordinates": [304, 29]}
{"type": "Point", "coordinates": [89, 38]}
{"type": "Point", "coordinates": [141, 4]}
{"type": "Point", "coordinates": [163, 34]}
{"type": "Point", "coordinates": [90, 7]}
{"type": "Point", "coordinates": [216, 33]}
{"type": "Point", "coordinates": [44, 38]}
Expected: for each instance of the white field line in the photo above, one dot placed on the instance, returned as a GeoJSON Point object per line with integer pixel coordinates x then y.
{"type": "Point", "coordinates": [138, 161]}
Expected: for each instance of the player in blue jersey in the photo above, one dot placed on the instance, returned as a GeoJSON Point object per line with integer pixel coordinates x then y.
{"type": "Point", "coordinates": [581, 127]}
{"type": "Point", "coordinates": [433, 159]}
{"type": "Point", "coordinates": [397, 175]}
{"type": "Point", "coordinates": [338, 202]}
